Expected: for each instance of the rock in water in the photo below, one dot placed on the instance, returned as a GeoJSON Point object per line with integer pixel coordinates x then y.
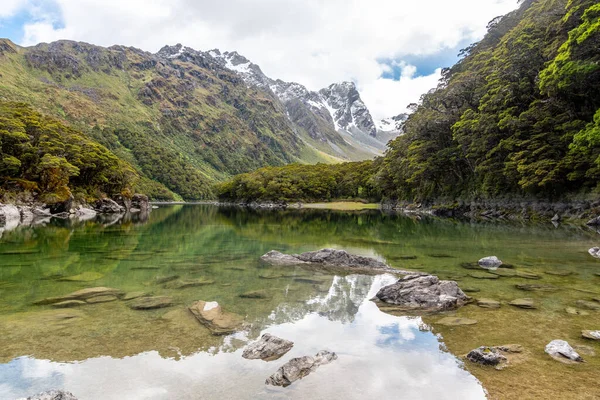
{"type": "Point", "coordinates": [277, 258]}
{"type": "Point", "coordinates": [491, 262]}
{"type": "Point", "coordinates": [562, 351]}
{"type": "Point", "coordinates": [150, 303]}
{"type": "Point", "coordinates": [298, 368]}
{"type": "Point", "coordinates": [423, 293]}
{"type": "Point", "coordinates": [593, 335]}
{"type": "Point", "coordinates": [327, 258]}
{"type": "Point", "coordinates": [594, 252]}
{"type": "Point", "coordinates": [455, 321]}
{"type": "Point", "coordinates": [53, 395]}
{"type": "Point", "coordinates": [211, 315]}
{"type": "Point", "coordinates": [486, 356]}
{"type": "Point", "coordinates": [488, 303]}
{"type": "Point", "coordinates": [108, 206]}
{"type": "Point", "coordinates": [523, 303]}
{"type": "Point", "coordinates": [268, 348]}
{"type": "Point", "coordinates": [82, 294]}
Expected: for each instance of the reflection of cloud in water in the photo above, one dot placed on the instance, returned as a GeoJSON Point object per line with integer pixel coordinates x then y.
{"type": "Point", "coordinates": [380, 356]}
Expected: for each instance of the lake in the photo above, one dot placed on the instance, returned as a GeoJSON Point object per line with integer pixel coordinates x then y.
{"type": "Point", "coordinates": [108, 350]}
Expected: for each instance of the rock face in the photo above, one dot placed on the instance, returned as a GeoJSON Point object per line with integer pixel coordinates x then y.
{"type": "Point", "coordinates": [423, 293]}
{"type": "Point", "coordinates": [486, 356]}
{"type": "Point", "coordinates": [268, 348]}
{"type": "Point", "coordinates": [328, 258]}
{"type": "Point", "coordinates": [107, 206]}
{"type": "Point", "coordinates": [298, 368]}
{"type": "Point", "coordinates": [562, 351]}
{"type": "Point", "coordinates": [211, 315]}
{"type": "Point", "coordinates": [491, 262]}
{"type": "Point", "coordinates": [53, 395]}
{"type": "Point", "coordinates": [140, 202]}
{"type": "Point", "coordinates": [594, 252]}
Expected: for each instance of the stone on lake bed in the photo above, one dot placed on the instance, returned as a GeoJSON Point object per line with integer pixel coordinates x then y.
{"type": "Point", "coordinates": [83, 277]}
{"type": "Point", "coordinates": [471, 290]}
{"type": "Point", "coordinates": [133, 295]}
{"type": "Point", "coordinates": [527, 275]}
{"type": "Point", "coordinates": [211, 315]}
{"type": "Point", "coordinates": [483, 275]}
{"type": "Point", "coordinates": [255, 294]}
{"type": "Point", "coordinates": [491, 262]}
{"type": "Point", "coordinates": [523, 303]}
{"type": "Point", "coordinates": [535, 287]}
{"type": "Point", "coordinates": [575, 311]}
{"type": "Point", "coordinates": [81, 295]}
{"type": "Point", "coordinates": [593, 335]}
{"type": "Point", "coordinates": [589, 305]}
{"type": "Point", "coordinates": [268, 348]}
{"type": "Point", "coordinates": [423, 293]}
{"type": "Point", "coordinates": [560, 273]}
{"type": "Point", "coordinates": [488, 303]}
{"type": "Point", "coordinates": [456, 321]}
{"type": "Point", "coordinates": [504, 272]}
{"type": "Point", "coordinates": [183, 284]}
{"type": "Point", "coordinates": [562, 351]}
{"type": "Point", "coordinates": [150, 303]}
{"type": "Point", "coordinates": [102, 299]}
{"type": "Point", "coordinates": [298, 368]}
{"type": "Point", "coordinates": [69, 304]}
{"type": "Point", "coordinates": [164, 279]}
{"type": "Point", "coordinates": [486, 356]}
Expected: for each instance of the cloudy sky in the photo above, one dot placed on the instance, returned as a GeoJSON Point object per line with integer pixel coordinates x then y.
{"type": "Point", "coordinates": [392, 49]}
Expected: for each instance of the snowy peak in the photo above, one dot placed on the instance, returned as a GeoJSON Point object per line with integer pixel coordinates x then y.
{"type": "Point", "coordinates": [350, 113]}
{"type": "Point", "coordinates": [393, 124]}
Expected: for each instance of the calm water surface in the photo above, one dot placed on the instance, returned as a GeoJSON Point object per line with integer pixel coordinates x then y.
{"type": "Point", "coordinates": [109, 351]}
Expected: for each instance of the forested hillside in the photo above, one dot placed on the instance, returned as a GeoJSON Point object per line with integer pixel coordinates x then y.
{"type": "Point", "coordinates": [519, 114]}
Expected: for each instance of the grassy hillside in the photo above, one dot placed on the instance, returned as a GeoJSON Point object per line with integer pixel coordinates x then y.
{"type": "Point", "coordinates": [181, 123]}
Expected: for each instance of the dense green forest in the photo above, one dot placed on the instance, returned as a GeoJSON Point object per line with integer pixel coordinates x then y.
{"type": "Point", "coordinates": [298, 182]}
{"type": "Point", "coordinates": [518, 115]}
{"type": "Point", "coordinates": [40, 155]}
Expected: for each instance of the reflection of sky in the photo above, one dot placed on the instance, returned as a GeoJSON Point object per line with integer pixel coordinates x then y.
{"type": "Point", "coordinates": [380, 356]}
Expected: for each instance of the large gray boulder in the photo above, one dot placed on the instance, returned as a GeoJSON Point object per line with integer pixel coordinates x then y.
{"type": "Point", "coordinates": [562, 351]}
{"type": "Point", "coordinates": [491, 262]}
{"type": "Point", "coordinates": [108, 206]}
{"type": "Point", "coordinates": [298, 368]}
{"type": "Point", "coordinates": [485, 355]}
{"type": "Point", "coordinates": [423, 293]}
{"type": "Point", "coordinates": [52, 395]}
{"type": "Point", "coordinates": [268, 348]}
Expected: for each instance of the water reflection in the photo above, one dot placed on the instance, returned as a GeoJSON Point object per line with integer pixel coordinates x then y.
{"type": "Point", "coordinates": [380, 356]}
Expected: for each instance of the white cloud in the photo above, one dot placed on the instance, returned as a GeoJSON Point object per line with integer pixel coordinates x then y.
{"type": "Point", "coordinates": [11, 7]}
{"type": "Point", "coordinates": [313, 42]}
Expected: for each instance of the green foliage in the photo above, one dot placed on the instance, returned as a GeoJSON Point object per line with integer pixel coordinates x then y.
{"type": "Point", "coordinates": [47, 155]}
{"type": "Point", "coordinates": [296, 182]}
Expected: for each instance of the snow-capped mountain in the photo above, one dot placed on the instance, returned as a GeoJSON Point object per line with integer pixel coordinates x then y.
{"type": "Point", "coordinates": [334, 119]}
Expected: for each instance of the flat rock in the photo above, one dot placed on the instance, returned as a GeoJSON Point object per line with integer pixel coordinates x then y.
{"type": "Point", "coordinates": [188, 283]}
{"type": "Point", "coordinates": [455, 321]}
{"type": "Point", "coordinates": [53, 395]}
{"type": "Point", "coordinates": [504, 272]}
{"type": "Point", "coordinates": [298, 368]}
{"type": "Point", "coordinates": [593, 335]}
{"type": "Point", "coordinates": [535, 287]}
{"type": "Point", "coordinates": [576, 311]}
{"type": "Point", "coordinates": [488, 303]}
{"type": "Point", "coordinates": [268, 348]}
{"type": "Point", "coordinates": [423, 293]}
{"type": "Point", "coordinates": [211, 315]}
{"type": "Point", "coordinates": [471, 290]}
{"type": "Point", "coordinates": [560, 273]}
{"type": "Point", "coordinates": [562, 351]}
{"type": "Point", "coordinates": [491, 262]}
{"type": "Point", "coordinates": [486, 356]}
{"type": "Point", "coordinates": [527, 275]}
{"type": "Point", "coordinates": [102, 299]}
{"type": "Point", "coordinates": [482, 275]}
{"type": "Point", "coordinates": [69, 304]}
{"type": "Point", "coordinates": [523, 303]}
{"type": "Point", "coordinates": [588, 305]}
{"type": "Point", "coordinates": [81, 295]}
{"type": "Point", "coordinates": [255, 294]}
{"type": "Point", "coordinates": [150, 302]}
{"type": "Point", "coordinates": [164, 279]}
{"type": "Point", "coordinates": [275, 257]}
{"type": "Point", "coordinates": [83, 277]}
{"type": "Point", "coordinates": [133, 295]}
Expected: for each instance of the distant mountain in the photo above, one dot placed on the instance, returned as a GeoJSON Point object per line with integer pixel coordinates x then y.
{"type": "Point", "coordinates": [185, 118]}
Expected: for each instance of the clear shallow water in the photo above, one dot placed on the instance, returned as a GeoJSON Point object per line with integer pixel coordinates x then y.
{"type": "Point", "coordinates": [110, 351]}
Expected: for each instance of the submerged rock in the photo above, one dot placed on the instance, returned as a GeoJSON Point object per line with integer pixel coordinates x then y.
{"type": "Point", "coordinates": [534, 287]}
{"type": "Point", "coordinates": [527, 275]}
{"type": "Point", "coordinates": [455, 321]}
{"type": "Point", "coordinates": [102, 299]}
{"type": "Point", "coordinates": [486, 356]}
{"type": "Point", "coordinates": [423, 293]}
{"type": "Point", "coordinates": [82, 294]}
{"type": "Point", "coordinates": [53, 395]}
{"type": "Point", "coordinates": [575, 311]}
{"type": "Point", "coordinates": [133, 295]}
{"type": "Point", "coordinates": [589, 305]}
{"type": "Point", "coordinates": [298, 368]}
{"type": "Point", "coordinates": [255, 294]}
{"type": "Point", "coordinates": [268, 348]}
{"type": "Point", "coordinates": [211, 315]}
{"type": "Point", "coordinates": [87, 276]}
{"type": "Point", "coordinates": [562, 351]}
{"type": "Point", "coordinates": [69, 304]}
{"type": "Point", "coordinates": [491, 262]}
{"type": "Point", "coordinates": [483, 275]}
{"type": "Point", "coordinates": [523, 303]}
{"type": "Point", "coordinates": [183, 284]}
{"type": "Point", "coordinates": [327, 258]}
{"type": "Point", "coordinates": [488, 303]}
{"type": "Point", "coordinates": [150, 303]}
{"type": "Point", "coordinates": [593, 335]}
{"type": "Point", "coordinates": [504, 272]}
